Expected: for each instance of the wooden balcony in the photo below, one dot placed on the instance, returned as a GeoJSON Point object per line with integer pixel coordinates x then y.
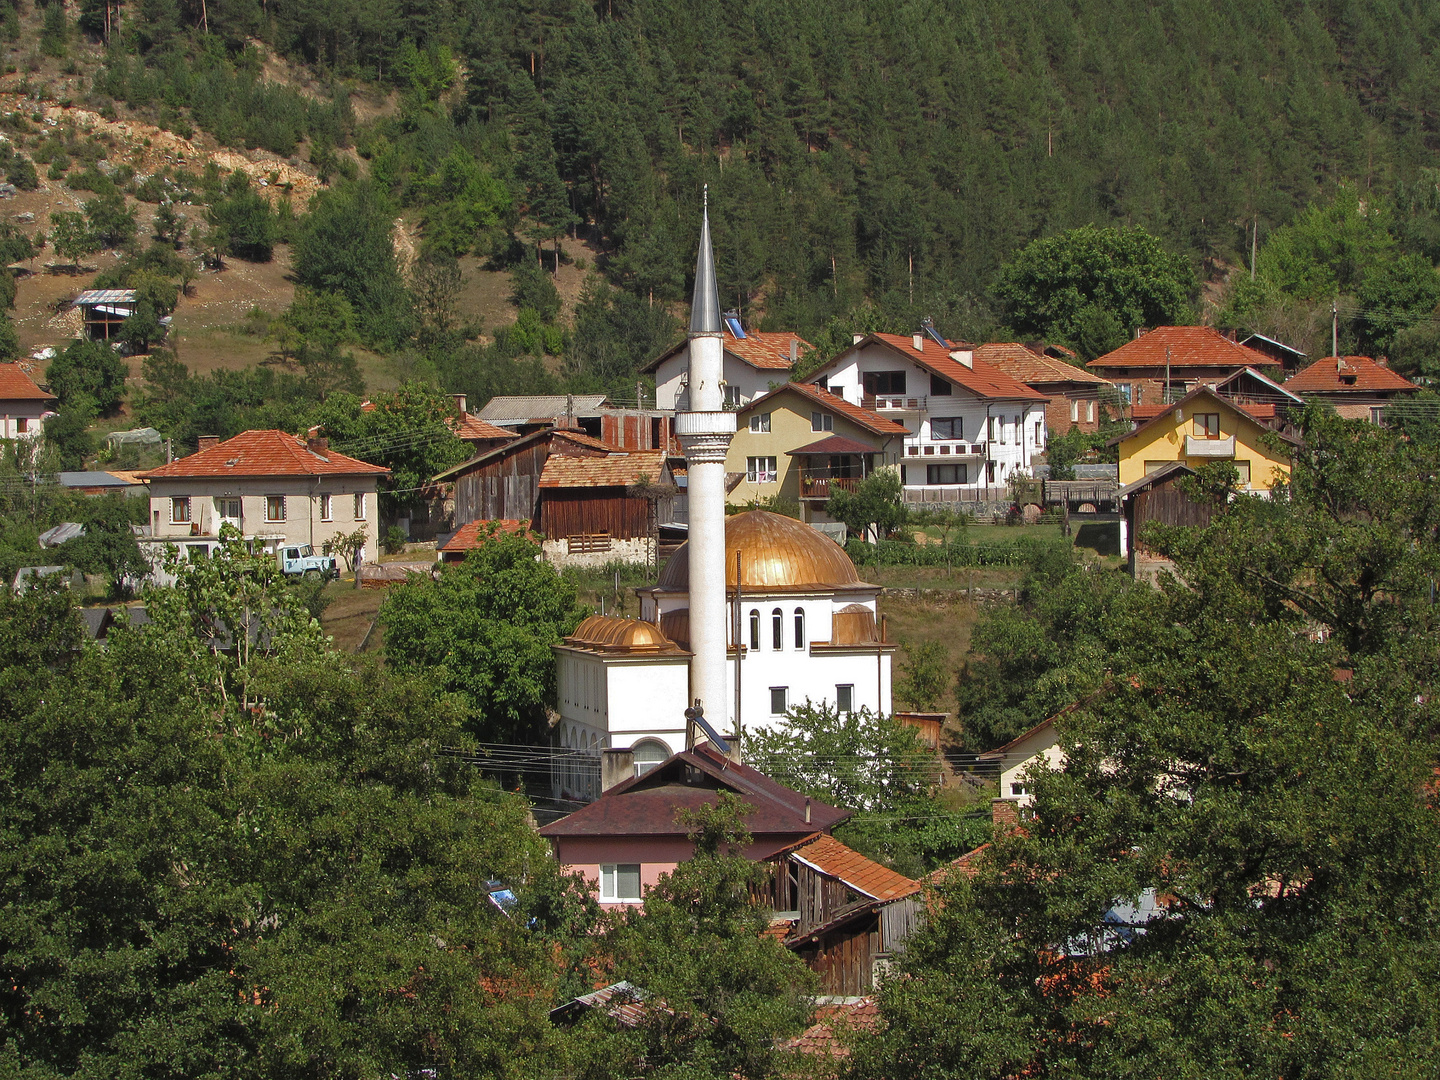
{"type": "Point", "coordinates": [818, 484]}
{"type": "Point", "coordinates": [896, 402]}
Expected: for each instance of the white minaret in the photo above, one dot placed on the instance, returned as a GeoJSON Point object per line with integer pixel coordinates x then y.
{"type": "Point", "coordinates": [705, 432]}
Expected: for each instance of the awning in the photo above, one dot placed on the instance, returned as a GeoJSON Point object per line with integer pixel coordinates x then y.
{"type": "Point", "coordinates": [836, 444]}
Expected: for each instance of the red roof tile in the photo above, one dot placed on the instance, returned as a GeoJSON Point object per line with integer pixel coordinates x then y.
{"type": "Point", "coordinates": [984, 380]}
{"type": "Point", "coordinates": [15, 385]}
{"type": "Point", "coordinates": [967, 865]}
{"type": "Point", "coordinates": [1330, 376]}
{"type": "Point", "coordinates": [265, 453]}
{"type": "Point", "coordinates": [615, 470]}
{"type": "Point", "coordinates": [475, 533]}
{"type": "Point", "coordinates": [834, 1028]}
{"type": "Point", "coordinates": [471, 426]}
{"type": "Point", "coordinates": [765, 350]}
{"type": "Point", "coordinates": [870, 421]}
{"type": "Point", "coordinates": [1026, 365]}
{"type": "Point", "coordinates": [830, 856]}
{"type": "Point", "coordinates": [1188, 347]}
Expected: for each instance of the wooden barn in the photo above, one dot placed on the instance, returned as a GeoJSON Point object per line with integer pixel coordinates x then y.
{"type": "Point", "coordinates": [588, 506]}
{"type": "Point", "coordinates": [504, 483]}
{"type": "Point", "coordinates": [847, 916]}
{"type": "Point", "coordinates": [1157, 497]}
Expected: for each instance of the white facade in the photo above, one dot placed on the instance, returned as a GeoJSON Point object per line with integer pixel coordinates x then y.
{"type": "Point", "coordinates": [743, 382]}
{"type": "Point", "coordinates": [23, 419]}
{"type": "Point", "coordinates": [963, 439]}
{"type": "Point", "coordinates": [269, 511]}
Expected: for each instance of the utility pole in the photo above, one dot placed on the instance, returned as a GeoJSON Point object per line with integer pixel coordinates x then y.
{"type": "Point", "coordinates": [1254, 243]}
{"type": "Point", "coordinates": [1167, 374]}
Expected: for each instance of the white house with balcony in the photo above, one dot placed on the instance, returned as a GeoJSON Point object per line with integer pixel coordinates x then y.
{"type": "Point", "coordinates": [972, 426]}
{"type": "Point", "coordinates": [753, 363]}
{"type": "Point", "coordinates": [276, 489]}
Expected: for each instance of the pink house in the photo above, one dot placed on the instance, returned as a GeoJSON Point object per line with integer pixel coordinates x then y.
{"type": "Point", "coordinates": [628, 837]}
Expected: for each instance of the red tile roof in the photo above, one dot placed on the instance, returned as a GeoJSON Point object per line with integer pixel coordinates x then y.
{"type": "Point", "coordinates": [830, 856]}
{"type": "Point", "coordinates": [765, 350]}
{"type": "Point", "coordinates": [984, 380]}
{"type": "Point", "coordinates": [1254, 413]}
{"type": "Point", "coordinates": [471, 426]}
{"type": "Point", "coordinates": [1026, 365]}
{"type": "Point", "coordinates": [870, 421]}
{"type": "Point", "coordinates": [1329, 376]}
{"type": "Point", "coordinates": [1188, 347]}
{"type": "Point", "coordinates": [835, 1027]}
{"type": "Point", "coordinates": [967, 865]}
{"type": "Point", "coordinates": [475, 533]}
{"type": "Point", "coordinates": [15, 385]}
{"type": "Point", "coordinates": [265, 453]}
{"type": "Point", "coordinates": [615, 470]}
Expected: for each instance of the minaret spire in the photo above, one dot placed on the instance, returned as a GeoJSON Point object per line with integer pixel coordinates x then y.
{"type": "Point", "coordinates": [705, 431]}
{"type": "Point", "coordinates": [705, 301]}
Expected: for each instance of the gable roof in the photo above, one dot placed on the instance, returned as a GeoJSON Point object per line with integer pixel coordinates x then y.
{"type": "Point", "coordinates": [1326, 375]}
{"type": "Point", "coordinates": [1205, 391]}
{"type": "Point", "coordinates": [870, 421]}
{"type": "Point", "coordinates": [1269, 386]}
{"type": "Point", "coordinates": [984, 380]}
{"type": "Point", "coordinates": [1273, 345]}
{"type": "Point", "coordinates": [1165, 471]}
{"type": "Point", "coordinates": [1030, 367]}
{"type": "Point", "coordinates": [831, 857]}
{"type": "Point", "coordinates": [615, 470]}
{"type": "Point", "coordinates": [265, 453]}
{"type": "Point", "coordinates": [578, 438]}
{"type": "Point", "coordinates": [764, 350]}
{"type": "Point", "coordinates": [647, 805]}
{"type": "Point", "coordinates": [16, 385]}
{"type": "Point", "coordinates": [1188, 347]}
{"type": "Point", "coordinates": [471, 426]}
{"type": "Point", "coordinates": [835, 444]}
{"type": "Point", "coordinates": [523, 409]}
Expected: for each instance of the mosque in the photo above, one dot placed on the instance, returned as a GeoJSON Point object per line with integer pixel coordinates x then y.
{"type": "Point", "coordinates": [754, 614]}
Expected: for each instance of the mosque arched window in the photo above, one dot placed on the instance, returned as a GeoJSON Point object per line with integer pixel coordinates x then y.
{"type": "Point", "coordinates": [755, 629]}
{"type": "Point", "coordinates": [777, 629]}
{"type": "Point", "coordinates": [799, 628]}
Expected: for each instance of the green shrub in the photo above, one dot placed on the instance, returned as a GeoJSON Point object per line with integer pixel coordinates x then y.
{"type": "Point", "coordinates": [394, 540]}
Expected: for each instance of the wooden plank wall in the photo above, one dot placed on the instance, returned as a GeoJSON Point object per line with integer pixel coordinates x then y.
{"type": "Point", "coordinates": [570, 511]}
{"type": "Point", "coordinates": [1171, 506]}
{"type": "Point", "coordinates": [821, 897]}
{"type": "Point", "coordinates": [508, 486]}
{"type": "Point", "coordinates": [845, 959]}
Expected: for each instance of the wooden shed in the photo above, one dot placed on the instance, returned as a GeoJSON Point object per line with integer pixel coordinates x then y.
{"type": "Point", "coordinates": [847, 915]}
{"type": "Point", "coordinates": [591, 496]}
{"type": "Point", "coordinates": [1157, 497]}
{"type": "Point", "coordinates": [504, 483]}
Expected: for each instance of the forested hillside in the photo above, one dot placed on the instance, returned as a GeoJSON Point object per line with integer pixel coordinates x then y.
{"type": "Point", "coordinates": [856, 150]}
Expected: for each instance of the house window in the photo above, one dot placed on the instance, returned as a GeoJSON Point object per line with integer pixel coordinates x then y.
{"type": "Point", "coordinates": [1377, 415]}
{"type": "Point", "coordinates": [1074, 411]}
{"type": "Point", "coordinates": [1039, 432]}
{"type": "Point", "coordinates": [991, 424]}
{"type": "Point", "coordinates": [845, 698]}
{"type": "Point", "coordinates": [947, 474]}
{"type": "Point", "coordinates": [1123, 389]}
{"type": "Point", "coordinates": [779, 700]}
{"type": "Point", "coordinates": [360, 506]}
{"type": "Point", "coordinates": [760, 470]}
{"type": "Point", "coordinates": [939, 387]}
{"type": "Point", "coordinates": [648, 754]}
{"type": "Point", "coordinates": [760, 423]}
{"type": "Point", "coordinates": [1243, 468]}
{"type": "Point", "coordinates": [324, 507]}
{"type": "Point", "coordinates": [884, 382]}
{"type": "Point", "coordinates": [1090, 412]}
{"type": "Point", "coordinates": [820, 421]}
{"type": "Point", "coordinates": [755, 629]}
{"type": "Point", "coordinates": [230, 509]}
{"type": "Point", "coordinates": [620, 882]}
{"type": "Point", "coordinates": [777, 630]}
{"type": "Point", "coordinates": [947, 427]}
{"type": "Point", "coordinates": [180, 510]}
{"type": "Point", "coordinates": [1155, 466]}
{"type": "Point", "coordinates": [274, 507]}
{"type": "Point", "coordinates": [799, 628]}
{"type": "Point", "coordinates": [22, 424]}
{"type": "Point", "coordinates": [1018, 790]}
{"type": "Point", "coordinates": [1206, 425]}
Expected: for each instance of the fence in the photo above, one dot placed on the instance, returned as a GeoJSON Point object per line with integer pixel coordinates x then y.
{"type": "Point", "coordinates": [1018, 552]}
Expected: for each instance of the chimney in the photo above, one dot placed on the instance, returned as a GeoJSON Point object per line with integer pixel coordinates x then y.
{"type": "Point", "coordinates": [1005, 814]}
{"type": "Point", "coordinates": [918, 340]}
{"type": "Point", "coordinates": [794, 350]}
{"type": "Point", "coordinates": [207, 442]}
{"type": "Point", "coordinates": [855, 339]}
{"type": "Point", "coordinates": [616, 766]}
{"type": "Point", "coordinates": [318, 445]}
{"type": "Point", "coordinates": [459, 403]}
{"type": "Point", "coordinates": [807, 810]}
{"type": "Point", "coordinates": [965, 357]}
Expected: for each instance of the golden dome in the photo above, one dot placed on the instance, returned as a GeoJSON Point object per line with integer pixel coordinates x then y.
{"type": "Point", "coordinates": [610, 633]}
{"type": "Point", "coordinates": [778, 554]}
{"type": "Point", "coordinates": [854, 624]}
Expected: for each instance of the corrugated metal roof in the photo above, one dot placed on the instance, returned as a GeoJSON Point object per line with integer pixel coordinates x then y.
{"type": "Point", "coordinates": [105, 296]}
{"type": "Point", "coordinates": [520, 410]}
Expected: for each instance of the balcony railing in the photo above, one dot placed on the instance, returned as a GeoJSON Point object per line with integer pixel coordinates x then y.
{"type": "Point", "coordinates": [818, 484]}
{"type": "Point", "coordinates": [896, 402]}
{"type": "Point", "coordinates": [1210, 448]}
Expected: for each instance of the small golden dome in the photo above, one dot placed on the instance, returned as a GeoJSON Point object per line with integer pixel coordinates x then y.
{"type": "Point", "coordinates": [778, 553]}
{"type": "Point", "coordinates": [854, 624]}
{"type": "Point", "coordinates": [610, 633]}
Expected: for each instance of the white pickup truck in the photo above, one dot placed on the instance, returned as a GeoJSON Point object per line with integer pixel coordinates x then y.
{"type": "Point", "coordinates": [301, 561]}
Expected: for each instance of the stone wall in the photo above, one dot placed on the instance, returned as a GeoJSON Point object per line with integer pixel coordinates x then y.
{"type": "Point", "coordinates": [558, 553]}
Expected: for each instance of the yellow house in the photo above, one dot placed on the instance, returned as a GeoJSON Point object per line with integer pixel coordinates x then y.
{"type": "Point", "coordinates": [800, 442]}
{"type": "Point", "coordinates": [1200, 428]}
